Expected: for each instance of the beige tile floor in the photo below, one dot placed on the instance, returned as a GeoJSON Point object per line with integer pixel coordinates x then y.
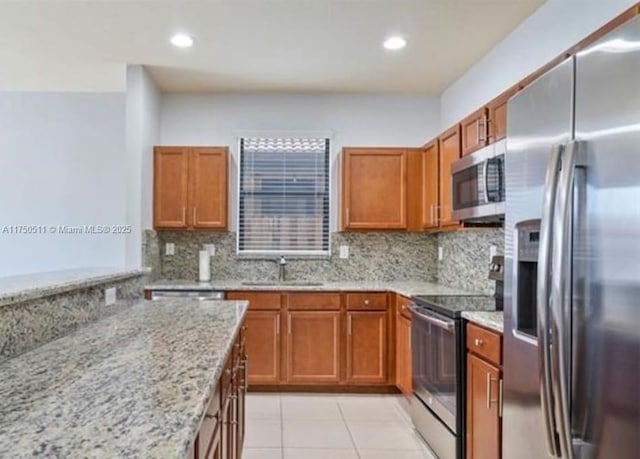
{"type": "Point", "coordinates": [319, 426]}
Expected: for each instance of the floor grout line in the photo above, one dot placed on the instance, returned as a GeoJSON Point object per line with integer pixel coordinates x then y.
{"type": "Point", "coordinates": [346, 424]}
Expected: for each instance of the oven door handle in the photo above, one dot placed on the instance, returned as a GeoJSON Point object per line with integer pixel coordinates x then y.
{"type": "Point", "coordinates": [485, 180]}
{"type": "Point", "coordinates": [445, 324]}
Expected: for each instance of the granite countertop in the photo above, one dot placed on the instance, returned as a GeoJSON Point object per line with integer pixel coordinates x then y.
{"type": "Point", "coordinates": [135, 384]}
{"type": "Point", "coordinates": [406, 288]}
{"type": "Point", "coordinates": [31, 286]}
{"type": "Point", "coordinates": [493, 320]}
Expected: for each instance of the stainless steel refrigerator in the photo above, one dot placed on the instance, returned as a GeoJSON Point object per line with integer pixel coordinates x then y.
{"type": "Point", "coordinates": [572, 254]}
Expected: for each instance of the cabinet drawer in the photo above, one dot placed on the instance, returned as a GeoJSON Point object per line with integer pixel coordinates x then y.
{"type": "Point", "coordinates": [402, 306]}
{"type": "Point", "coordinates": [313, 301]}
{"type": "Point", "coordinates": [484, 343]}
{"type": "Point", "coordinates": [367, 301]}
{"type": "Point", "coordinates": [269, 301]}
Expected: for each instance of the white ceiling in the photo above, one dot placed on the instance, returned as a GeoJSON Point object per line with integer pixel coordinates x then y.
{"type": "Point", "coordinates": [251, 45]}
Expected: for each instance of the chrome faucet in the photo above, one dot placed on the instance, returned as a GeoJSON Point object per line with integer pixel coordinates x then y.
{"type": "Point", "coordinates": [282, 267]}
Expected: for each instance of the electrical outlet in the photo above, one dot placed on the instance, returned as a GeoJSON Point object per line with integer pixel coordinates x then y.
{"type": "Point", "coordinates": [109, 295]}
{"type": "Point", "coordinates": [170, 248]}
{"type": "Point", "coordinates": [211, 248]}
{"type": "Point", "coordinates": [440, 253]}
{"type": "Point", "coordinates": [493, 250]}
{"type": "Point", "coordinates": [344, 251]}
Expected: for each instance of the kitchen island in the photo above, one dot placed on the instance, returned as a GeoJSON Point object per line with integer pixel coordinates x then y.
{"type": "Point", "coordinates": [135, 384]}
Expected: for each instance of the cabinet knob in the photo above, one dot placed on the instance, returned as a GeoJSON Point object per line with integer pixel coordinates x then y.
{"type": "Point", "coordinates": [366, 302]}
{"type": "Point", "coordinates": [479, 342]}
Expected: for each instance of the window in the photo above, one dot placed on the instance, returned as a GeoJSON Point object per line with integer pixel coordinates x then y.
{"type": "Point", "coordinates": [283, 196]}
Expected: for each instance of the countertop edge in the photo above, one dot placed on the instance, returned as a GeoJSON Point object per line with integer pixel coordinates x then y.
{"type": "Point", "coordinates": [492, 320]}
{"type": "Point", "coordinates": [64, 287]}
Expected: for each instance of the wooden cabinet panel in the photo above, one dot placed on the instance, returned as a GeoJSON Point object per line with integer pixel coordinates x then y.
{"type": "Point", "coordinates": [474, 131]}
{"type": "Point", "coordinates": [485, 343]}
{"type": "Point", "coordinates": [268, 301]}
{"type": "Point", "coordinates": [430, 172]}
{"type": "Point", "coordinates": [403, 355]}
{"type": "Point", "coordinates": [208, 180]}
{"type": "Point", "coordinates": [313, 346]}
{"type": "Point", "coordinates": [190, 187]}
{"type": "Point", "coordinates": [263, 346]}
{"type": "Point", "coordinates": [313, 301]}
{"type": "Point", "coordinates": [374, 193]}
{"type": "Point", "coordinates": [483, 413]}
{"type": "Point", "coordinates": [402, 306]}
{"type": "Point", "coordinates": [366, 347]}
{"type": "Point", "coordinates": [497, 112]}
{"type": "Point", "coordinates": [171, 189]}
{"type": "Point", "coordinates": [449, 148]}
{"type": "Point", "coordinates": [367, 301]}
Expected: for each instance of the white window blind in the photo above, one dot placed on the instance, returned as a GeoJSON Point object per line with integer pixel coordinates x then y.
{"type": "Point", "coordinates": [283, 196]}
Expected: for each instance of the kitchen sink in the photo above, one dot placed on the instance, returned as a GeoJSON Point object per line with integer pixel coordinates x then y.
{"type": "Point", "coordinates": [283, 284]}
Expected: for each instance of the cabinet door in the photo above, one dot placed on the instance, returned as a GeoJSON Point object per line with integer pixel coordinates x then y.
{"type": "Point", "coordinates": [170, 187]}
{"type": "Point", "coordinates": [263, 346]}
{"type": "Point", "coordinates": [430, 186]}
{"type": "Point", "coordinates": [449, 148]}
{"type": "Point", "coordinates": [208, 180]}
{"type": "Point", "coordinates": [374, 189]}
{"type": "Point", "coordinates": [403, 355]}
{"type": "Point", "coordinates": [313, 346]}
{"type": "Point", "coordinates": [497, 121]}
{"type": "Point", "coordinates": [474, 131]}
{"type": "Point", "coordinates": [483, 416]}
{"type": "Point", "coordinates": [366, 347]}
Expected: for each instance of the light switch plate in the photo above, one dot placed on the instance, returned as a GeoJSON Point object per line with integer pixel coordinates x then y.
{"type": "Point", "coordinates": [344, 251]}
{"type": "Point", "coordinates": [170, 248]}
{"type": "Point", "coordinates": [440, 253]}
{"type": "Point", "coordinates": [109, 296]}
{"type": "Point", "coordinates": [211, 248]}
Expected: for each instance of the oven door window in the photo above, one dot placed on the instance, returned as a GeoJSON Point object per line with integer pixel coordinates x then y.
{"type": "Point", "coordinates": [435, 378]}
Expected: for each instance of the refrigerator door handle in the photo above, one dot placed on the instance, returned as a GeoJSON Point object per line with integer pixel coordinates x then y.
{"type": "Point", "coordinates": [542, 292]}
{"type": "Point", "coordinates": [561, 293]}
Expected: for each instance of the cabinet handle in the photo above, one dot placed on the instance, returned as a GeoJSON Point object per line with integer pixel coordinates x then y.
{"type": "Point", "coordinates": [289, 323]}
{"type": "Point", "coordinates": [184, 215]}
{"type": "Point", "coordinates": [478, 342]}
{"type": "Point", "coordinates": [489, 401]}
{"type": "Point", "coordinates": [500, 398]}
{"type": "Point", "coordinates": [348, 218]}
{"type": "Point", "coordinates": [436, 214]}
{"type": "Point", "coordinates": [409, 340]}
{"type": "Point", "coordinates": [488, 132]}
{"type": "Point", "coordinates": [194, 216]}
{"type": "Point", "coordinates": [278, 326]}
{"type": "Point", "coordinates": [349, 325]}
{"type": "Point", "coordinates": [431, 214]}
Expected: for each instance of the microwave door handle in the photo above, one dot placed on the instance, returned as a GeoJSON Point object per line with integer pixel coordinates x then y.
{"type": "Point", "coordinates": [561, 291]}
{"type": "Point", "coordinates": [485, 180]}
{"type": "Point", "coordinates": [542, 293]}
{"type": "Point", "coordinates": [444, 324]}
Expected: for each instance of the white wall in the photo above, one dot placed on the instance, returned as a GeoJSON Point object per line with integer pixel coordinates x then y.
{"type": "Point", "coordinates": [355, 120]}
{"type": "Point", "coordinates": [552, 29]}
{"type": "Point", "coordinates": [142, 133]}
{"type": "Point", "coordinates": [61, 163]}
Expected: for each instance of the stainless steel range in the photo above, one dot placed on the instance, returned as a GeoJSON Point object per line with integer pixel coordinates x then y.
{"type": "Point", "coordinates": [439, 371]}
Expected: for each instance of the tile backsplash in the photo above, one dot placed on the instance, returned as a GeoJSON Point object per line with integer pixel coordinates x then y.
{"type": "Point", "coordinates": [465, 262]}
{"type": "Point", "coordinates": [372, 256]}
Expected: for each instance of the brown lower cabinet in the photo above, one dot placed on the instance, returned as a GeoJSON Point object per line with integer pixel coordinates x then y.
{"type": "Point", "coordinates": [221, 434]}
{"type": "Point", "coordinates": [403, 346]}
{"type": "Point", "coordinates": [484, 394]}
{"type": "Point", "coordinates": [318, 339]}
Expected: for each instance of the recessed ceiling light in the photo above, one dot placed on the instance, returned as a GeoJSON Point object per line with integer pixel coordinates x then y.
{"type": "Point", "coordinates": [182, 40]}
{"type": "Point", "coordinates": [395, 43]}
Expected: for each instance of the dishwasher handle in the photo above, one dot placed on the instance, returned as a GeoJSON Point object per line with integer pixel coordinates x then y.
{"type": "Point", "coordinates": [188, 294]}
{"type": "Point", "coordinates": [448, 325]}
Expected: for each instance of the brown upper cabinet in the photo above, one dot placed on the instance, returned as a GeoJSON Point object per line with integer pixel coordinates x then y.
{"type": "Point", "coordinates": [449, 152]}
{"type": "Point", "coordinates": [374, 188]}
{"type": "Point", "coordinates": [190, 187]}
{"type": "Point", "coordinates": [497, 121]}
{"type": "Point", "coordinates": [474, 131]}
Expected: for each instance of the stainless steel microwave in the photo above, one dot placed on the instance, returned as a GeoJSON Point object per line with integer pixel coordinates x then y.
{"type": "Point", "coordinates": [478, 185]}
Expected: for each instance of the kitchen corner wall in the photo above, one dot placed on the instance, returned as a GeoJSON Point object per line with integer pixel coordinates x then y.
{"type": "Point", "coordinates": [372, 257]}
{"type": "Point", "coordinates": [465, 262]}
